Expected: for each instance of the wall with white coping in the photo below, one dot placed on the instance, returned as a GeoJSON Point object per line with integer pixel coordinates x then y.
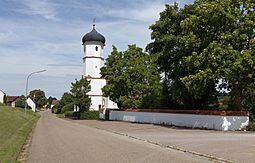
{"type": "Point", "coordinates": [216, 122]}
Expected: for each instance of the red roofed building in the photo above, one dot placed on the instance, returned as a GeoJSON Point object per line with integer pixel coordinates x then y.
{"type": "Point", "coordinates": [11, 100]}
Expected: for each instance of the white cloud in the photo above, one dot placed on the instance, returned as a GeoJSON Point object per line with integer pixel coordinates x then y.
{"type": "Point", "coordinates": [40, 7]}
{"type": "Point", "coordinates": [5, 34]}
{"type": "Point", "coordinates": [145, 11]}
{"type": "Point", "coordinates": [35, 44]}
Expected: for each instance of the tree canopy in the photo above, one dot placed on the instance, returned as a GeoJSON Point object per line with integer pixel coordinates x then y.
{"type": "Point", "coordinates": [133, 80]}
{"type": "Point", "coordinates": [204, 48]}
{"type": "Point", "coordinates": [66, 98]}
{"type": "Point", "coordinates": [38, 96]}
{"type": "Point", "coordinates": [79, 90]}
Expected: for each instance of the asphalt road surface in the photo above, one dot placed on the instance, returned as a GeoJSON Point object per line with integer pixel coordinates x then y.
{"type": "Point", "coordinates": [234, 146]}
{"type": "Point", "coordinates": [60, 141]}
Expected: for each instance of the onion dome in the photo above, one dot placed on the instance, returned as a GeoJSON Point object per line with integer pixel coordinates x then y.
{"type": "Point", "coordinates": [93, 36]}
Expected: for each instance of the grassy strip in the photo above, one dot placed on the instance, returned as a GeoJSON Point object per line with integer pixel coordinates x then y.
{"type": "Point", "coordinates": [15, 126]}
{"type": "Point", "coordinates": [60, 115]}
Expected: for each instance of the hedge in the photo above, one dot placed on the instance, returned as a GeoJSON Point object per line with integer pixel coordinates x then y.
{"type": "Point", "coordinates": [90, 115]}
{"type": "Point", "coordinates": [69, 114]}
{"type": "Point", "coordinates": [251, 126]}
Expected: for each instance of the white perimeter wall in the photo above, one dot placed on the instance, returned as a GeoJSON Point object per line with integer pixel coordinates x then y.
{"type": "Point", "coordinates": [216, 122]}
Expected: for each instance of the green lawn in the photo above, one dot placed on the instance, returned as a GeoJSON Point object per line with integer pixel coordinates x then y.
{"type": "Point", "coordinates": [14, 129]}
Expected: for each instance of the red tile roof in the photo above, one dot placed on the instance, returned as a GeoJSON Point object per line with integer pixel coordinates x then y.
{"type": "Point", "coordinates": [12, 98]}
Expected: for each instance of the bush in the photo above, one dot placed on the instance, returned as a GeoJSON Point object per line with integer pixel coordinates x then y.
{"type": "Point", "coordinates": [76, 115]}
{"type": "Point", "coordinates": [21, 103]}
{"type": "Point", "coordinates": [67, 107]}
{"type": "Point", "coordinates": [69, 114]}
{"type": "Point", "coordinates": [55, 110]}
{"type": "Point", "coordinates": [251, 126]}
{"type": "Point", "coordinates": [90, 115]}
{"type": "Point", "coordinates": [107, 114]}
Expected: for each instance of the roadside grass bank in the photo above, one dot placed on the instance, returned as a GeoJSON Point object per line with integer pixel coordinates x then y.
{"type": "Point", "coordinates": [15, 127]}
{"type": "Point", "coordinates": [60, 115]}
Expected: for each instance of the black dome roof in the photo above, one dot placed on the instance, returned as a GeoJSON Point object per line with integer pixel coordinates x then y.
{"type": "Point", "coordinates": [93, 36]}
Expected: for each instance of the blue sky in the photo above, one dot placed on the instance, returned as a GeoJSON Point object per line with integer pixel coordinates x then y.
{"type": "Point", "coordinates": [46, 34]}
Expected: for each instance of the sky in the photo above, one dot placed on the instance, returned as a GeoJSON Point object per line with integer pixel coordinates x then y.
{"type": "Point", "coordinates": [46, 34]}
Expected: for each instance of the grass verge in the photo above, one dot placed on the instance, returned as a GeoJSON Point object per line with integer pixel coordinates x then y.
{"type": "Point", "coordinates": [15, 126]}
{"type": "Point", "coordinates": [60, 115]}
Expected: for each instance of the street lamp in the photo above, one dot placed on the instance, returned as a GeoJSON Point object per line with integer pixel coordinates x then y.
{"type": "Point", "coordinates": [36, 72]}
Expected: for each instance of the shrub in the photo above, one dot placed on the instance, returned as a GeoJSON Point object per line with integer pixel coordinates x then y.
{"type": "Point", "coordinates": [69, 114]}
{"type": "Point", "coordinates": [251, 126]}
{"type": "Point", "coordinates": [67, 107]}
{"type": "Point", "coordinates": [21, 103]}
{"type": "Point", "coordinates": [60, 115]}
{"type": "Point", "coordinates": [107, 114]}
{"type": "Point", "coordinates": [90, 115]}
{"type": "Point", "coordinates": [76, 115]}
{"type": "Point", "coordinates": [55, 110]}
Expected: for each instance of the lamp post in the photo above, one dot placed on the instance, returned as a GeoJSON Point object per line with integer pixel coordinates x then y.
{"type": "Point", "coordinates": [36, 72]}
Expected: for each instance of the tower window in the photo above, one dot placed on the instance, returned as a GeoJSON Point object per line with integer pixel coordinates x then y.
{"type": "Point", "coordinates": [96, 48]}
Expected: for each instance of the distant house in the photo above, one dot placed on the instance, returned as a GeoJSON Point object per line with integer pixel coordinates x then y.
{"type": "Point", "coordinates": [11, 100]}
{"type": "Point", "coordinates": [2, 96]}
{"type": "Point", "coordinates": [31, 103]}
{"type": "Point", "coordinates": [54, 103]}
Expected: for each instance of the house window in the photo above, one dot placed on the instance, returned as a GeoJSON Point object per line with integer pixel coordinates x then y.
{"type": "Point", "coordinates": [96, 48]}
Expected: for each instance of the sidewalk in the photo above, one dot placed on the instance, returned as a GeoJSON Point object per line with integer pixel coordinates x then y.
{"type": "Point", "coordinates": [233, 146]}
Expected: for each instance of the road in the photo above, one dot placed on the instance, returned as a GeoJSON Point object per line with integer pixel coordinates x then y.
{"type": "Point", "coordinates": [60, 141]}
{"type": "Point", "coordinates": [235, 146]}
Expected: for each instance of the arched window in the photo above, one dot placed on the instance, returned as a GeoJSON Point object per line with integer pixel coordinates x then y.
{"type": "Point", "coordinates": [96, 48]}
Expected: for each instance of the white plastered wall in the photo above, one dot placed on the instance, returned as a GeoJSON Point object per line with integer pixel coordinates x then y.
{"type": "Point", "coordinates": [1, 96]}
{"type": "Point", "coordinates": [90, 49]}
{"type": "Point", "coordinates": [93, 61]}
{"type": "Point", "coordinates": [215, 122]}
{"type": "Point", "coordinates": [92, 67]}
{"type": "Point", "coordinates": [96, 86]}
{"type": "Point", "coordinates": [95, 102]}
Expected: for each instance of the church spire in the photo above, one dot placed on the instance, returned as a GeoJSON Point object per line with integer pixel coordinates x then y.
{"type": "Point", "coordinates": [94, 23]}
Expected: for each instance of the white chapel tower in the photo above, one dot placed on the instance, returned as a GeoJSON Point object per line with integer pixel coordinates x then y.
{"type": "Point", "coordinates": [93, 43]}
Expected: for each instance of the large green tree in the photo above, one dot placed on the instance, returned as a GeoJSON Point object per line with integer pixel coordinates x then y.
{"type": "Point", "coordinates": [206, 45]}
{"type": "Point", "coordinates": [133, 80]}
{"type": "Point", "coordinates": [38, 96]}
{"type": "Point", "coordinates": [66, 98]}
{"type": "Point", "coordinates": [79, 90]}
{"type": "Point", "coordinates": [228, 53]}
{"type": "Point", "coordinates": [170, 46]}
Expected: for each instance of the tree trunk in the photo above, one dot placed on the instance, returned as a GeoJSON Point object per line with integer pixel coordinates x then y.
{"type": "Point", "coordinates": [236, 97]}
